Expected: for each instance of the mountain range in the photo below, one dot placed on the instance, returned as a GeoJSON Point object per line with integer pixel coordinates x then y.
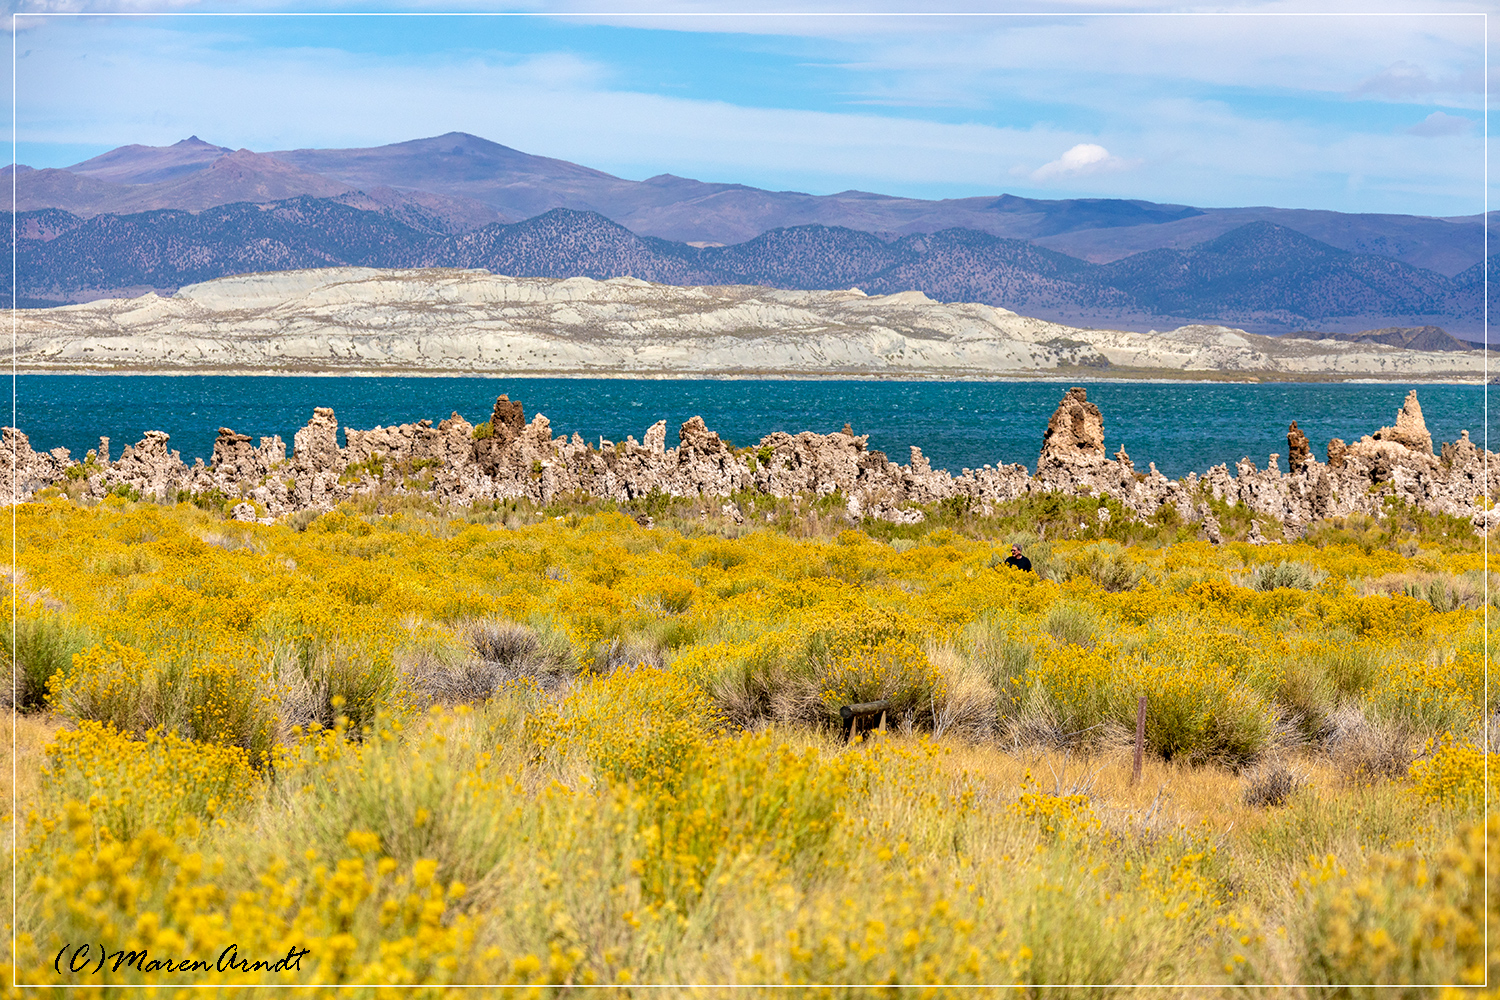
{"type": "Point", "coordinates": [154, 218]}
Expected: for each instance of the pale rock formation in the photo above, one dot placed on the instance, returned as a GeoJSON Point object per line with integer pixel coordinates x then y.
{"type": "Point", "coordinates": [698, 443]}
{"type": "Point", "coordinates": [1298, 449]}
{"type": "Point", "coordinates": [23, 471]}
{"type": "Point", "coordinates": [233, 454]}
{"type": "Point", "coordinates": [1396, 454]}
{"type": "Point", "coordinates": [1410, 430]}
{"type": "Point", "coordinates": [149, 467]}
{"type": "Point", "coordinates": [446, 462]}
{"type": "Point", "coordinates": [446, 320]}
{"type": "Point", "coordinates": [315, 448]}
{"type": "Point", "coordinates": [1075, 434]}
{"type": "Point", "coordinates": [450, 442]}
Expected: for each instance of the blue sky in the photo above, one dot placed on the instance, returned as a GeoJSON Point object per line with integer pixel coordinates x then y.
{"type": "Point", "coordinates": [1377, 113]}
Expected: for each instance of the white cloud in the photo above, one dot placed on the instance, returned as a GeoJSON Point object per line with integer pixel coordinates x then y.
{"type": "Point", "coordinates": [1439, 124]}
{"type": "Point", "coordinates": [1083, 159]}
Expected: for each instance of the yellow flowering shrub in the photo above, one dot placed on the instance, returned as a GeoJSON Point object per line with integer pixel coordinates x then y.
{"type": "Point", "coordinates": [125, 785]}
{"type": "Point", "coordinates": [895, 670]}
{"type": "Point", "coordinates": [635, 725]}
{"type": "Point", "coordinates": [1399, 918]}
{"type": "Point", "coordinates": [124, 911]}
{"type": "Point", "coordinates": [1451, 772]}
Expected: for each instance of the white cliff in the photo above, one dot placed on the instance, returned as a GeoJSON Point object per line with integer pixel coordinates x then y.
{"type": "Point", "coordinates": [366, 320]}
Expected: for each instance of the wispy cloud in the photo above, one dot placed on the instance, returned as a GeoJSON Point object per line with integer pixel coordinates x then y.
{"type": "Point", "coordinates": [1440, 124]}
{"type": "Point", "coordinates": [1406, 81]}
{"type": "Point", "coordinates": [1204, 110]}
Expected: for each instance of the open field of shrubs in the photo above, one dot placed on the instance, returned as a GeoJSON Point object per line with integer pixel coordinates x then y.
{"type": "Point", "coordinates": [552, 748]}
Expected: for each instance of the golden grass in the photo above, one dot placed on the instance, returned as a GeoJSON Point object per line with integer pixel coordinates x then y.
{"type": "Point", "coordinates": [24, 739]}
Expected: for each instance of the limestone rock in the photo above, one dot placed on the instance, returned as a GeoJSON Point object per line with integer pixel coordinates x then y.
{"type": "Point", "coordinates": [1209, 529]}
{"type": "Point", "coordinates": [23, 471]}
{"type": "Point", "coordinates": [1336, 452]}
{"type": "Point", "coordinates": [1407, 447]}
{"type": "Point", "coordinates": [656, 438]}
{"type": "Point", "coordinates": [1298, 449]}
{"type": "Point", "coordinates": [808, 462]}
{"type": "Point", "coordinates": [316, 446]}
{"type": "Point", "coordinates": [272, 450]}
{"type": "Point", "coordinates": [1461, 453]}
{"type": "Point", "coordinates": [1075, 434]}
{"type": "Point", "coordinates": [536, 466]}
{"type": "Point", "coordinates": [233, 454]}
{"type": "Point", "coordinates": [150, 467]}
{"type": "Point", "coordinates": [507, 421]}
{"type": "Point", "coordinates": [1322, 498]}
{"type": "Point", "coordinates": [697, 442]}
{"type": "Point", "coordinates": [1410, 430]}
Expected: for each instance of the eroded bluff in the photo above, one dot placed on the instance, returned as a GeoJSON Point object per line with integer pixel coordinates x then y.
{"type": "Point", "coordinates": [508, 457]}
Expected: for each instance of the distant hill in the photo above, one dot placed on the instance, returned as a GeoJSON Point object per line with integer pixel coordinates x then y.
{"type": "Point", "coordinates": [135, 164]}
{"type": "Point", "coordinates": [1263, 277]}
{"type": "Point", "coordinates": [1414, 338]}
{"type": "Point", "coordinates": [466, 182]}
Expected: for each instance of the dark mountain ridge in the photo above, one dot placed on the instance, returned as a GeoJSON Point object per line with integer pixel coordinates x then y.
{"type": "Point", "coordinates": [1263, 277]}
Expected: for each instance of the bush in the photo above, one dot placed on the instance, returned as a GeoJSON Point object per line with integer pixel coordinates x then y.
{"type": "Point", "coordinates": [1271, 787]}
{"type": "Point", "coordinates": [1296, 575]}
{"type": "Point", "coordinates": [109, 682]}
{"type": "Point", "coordinates": [1108, 565]}
{"type": "Point", "coordinates": [1073, 622]}
{"type": "Point", "coordinates": [1394, 919]}
{"type": "Point", "coordinates": [639, 725]}
{"type": "Point", "coordinates": [160, 782]}
{"type": "Point", "coordinates": [895, 670]}
{"type": "Point", "coordinates": [43, 644]}
{"type": "Point", "coordinates": [1451, 772]}
{"type": "Point", "coordinates": [1000, 657]}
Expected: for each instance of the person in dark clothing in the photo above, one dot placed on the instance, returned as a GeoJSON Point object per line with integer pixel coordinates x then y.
{"type": "Point", "coordinates": [1017, 560]}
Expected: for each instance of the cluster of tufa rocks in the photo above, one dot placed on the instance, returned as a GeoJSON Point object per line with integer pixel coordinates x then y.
{"type": "Point", "coordinates": [507, 457]}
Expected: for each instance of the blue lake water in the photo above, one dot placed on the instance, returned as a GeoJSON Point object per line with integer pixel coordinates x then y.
{"type": "Point", "coordinates": [1182, 427]}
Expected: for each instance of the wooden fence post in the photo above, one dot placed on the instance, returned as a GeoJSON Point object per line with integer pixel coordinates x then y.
{"type": "Point", "coordinates": [1140, 739]}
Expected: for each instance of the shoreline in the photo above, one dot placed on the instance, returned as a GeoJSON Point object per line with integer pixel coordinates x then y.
{"type": "Point", "coordinates": [507, 457]}
{"type": "Point", "coordinates": [1069, 377]}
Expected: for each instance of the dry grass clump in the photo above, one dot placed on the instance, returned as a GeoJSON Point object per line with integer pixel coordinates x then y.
{"type": "Point", "coordinates": [1289, 574]}
{"type": "Point", "coordinates": [1444, 591]}
{"type": "Point", "coordinates": [493, 653]}
{"type": "Point", "coordinates": [1368, 749]}
{"type": "Point", "coordinates": [43, 643]}
{"type": "Point", "coordinates": [963, 702]}
{"type": "Point", "coordinates": [1271, 785]}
